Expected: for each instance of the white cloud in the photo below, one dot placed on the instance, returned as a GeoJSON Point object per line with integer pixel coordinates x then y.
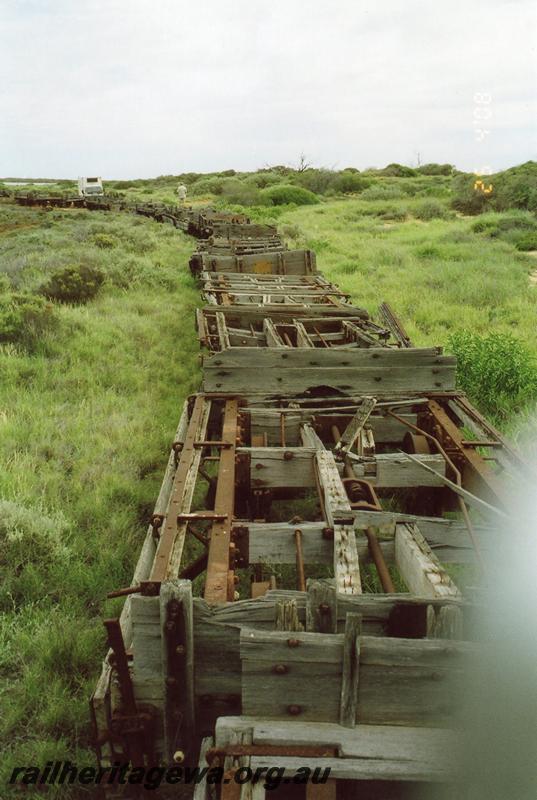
{"type": "Point", "coordinates": [131, 88]}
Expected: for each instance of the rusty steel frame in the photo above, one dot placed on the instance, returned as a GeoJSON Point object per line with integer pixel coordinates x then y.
{"type": "Point", "coordinates": [218, 583]}
{"type": "Point", "coordinates": [476, 474]}
{"type": "Point", "coordinates": [169, 529]}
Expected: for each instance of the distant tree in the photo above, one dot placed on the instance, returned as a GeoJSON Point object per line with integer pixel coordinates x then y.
{"type": "Point", "coordinates": [303, 163]}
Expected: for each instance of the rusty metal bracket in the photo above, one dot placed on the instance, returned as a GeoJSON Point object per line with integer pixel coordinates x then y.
{"type": "Point", "coordinates": [216, 755]}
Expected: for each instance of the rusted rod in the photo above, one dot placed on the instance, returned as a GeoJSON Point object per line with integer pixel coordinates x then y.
{"type": "Point", "coordinates": [199, 536]}
{"type": "Point", "coordinates": [124, 592]}
{"type": "Point", "coordinates": [195, 568]}
{"type": "Point", "coordinates": [458, 481]}
{"type": "Point", "coordinates": [115, 641]}
{"type": "Point", "coordinates": [378, 559]}
{"type": "Point", "coordinates": [301, 578]}
{"type": "Point", "coordinates": [469, 443]}
{"type": "Point", "coordinates": [321, 337]}
{"type": "Point", "coordinates": [282, 430]}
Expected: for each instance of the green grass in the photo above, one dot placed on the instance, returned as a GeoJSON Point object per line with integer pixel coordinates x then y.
{"type": "Point", "coordinates": [86, 421]}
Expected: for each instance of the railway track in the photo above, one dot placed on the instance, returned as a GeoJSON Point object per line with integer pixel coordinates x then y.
{"type": "Point", "coordinates": [323, 452]}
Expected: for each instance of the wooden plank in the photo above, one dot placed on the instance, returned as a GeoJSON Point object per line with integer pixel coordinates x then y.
{"type": "Point", "coordinates": [290, 262]}
{"type": "Point", "coordinates": [177, 642]}
{"type": "Point", "coordinates": [147, 650]}
{"type": "Point", "coordinates": [371, 358]}
{"type": "Point", "coordinates": [321, 607]}
{"type": "Point", "coordinates": [222, 330]}
{"type": "Point", "coordinates": [280, 467]}
{"type": "Point", "coordinates": [272, 336]}
{"type": "Point", "coordinates": [335, 496]}
{"type": "Point", "coordinates": [168, 557]}
{"type": "Point", "coordinates": [354, 428]}
{"type": "Point", "coordinates": [385, 429]}
{"type": "Point", "coordinates": [216, 584]}
{"type": "Point", "coordinates": [402, 681]}
{"type": "Point", "coordinates": [357, 769]}
{"type": "Point", "coordinates": [346, 561]}
{"type": "Point", "coordinates": [200, 788]}
{"type": "Point", "coordinates": [296, 380]}
{"type": "Point", "coordinates": [338, 512]}
{"type": "Point", "coordinates": [396, 470]}
{"type": "Point", "coordinates": [368, 751]}
{"type": "Point", "coordinates": [351, 667]}
{"type": "Point", "coordinates": [419, 567]}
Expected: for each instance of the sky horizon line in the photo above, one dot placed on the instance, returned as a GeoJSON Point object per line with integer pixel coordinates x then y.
{"type": "Point", "coordinates": [242, 171]}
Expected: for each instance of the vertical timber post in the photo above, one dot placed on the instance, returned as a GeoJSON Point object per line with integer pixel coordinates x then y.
{"type": "Point", "coordinates": [351, 666]}
{"type": "Point", "coordinates": [176, 619]}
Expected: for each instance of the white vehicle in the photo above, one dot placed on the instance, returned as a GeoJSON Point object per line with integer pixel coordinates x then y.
{"type": "Point", "coordinates": [88, 187]}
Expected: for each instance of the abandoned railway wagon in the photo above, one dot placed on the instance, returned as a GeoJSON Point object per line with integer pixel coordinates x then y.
{"type": "Point", "coordinates": [293, 603]}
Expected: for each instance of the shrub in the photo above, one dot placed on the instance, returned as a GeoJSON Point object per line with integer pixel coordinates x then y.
{"type": "Point", "coordinates": [527, 241]}
{"type": "Point", "coordinates": [466, 198]}
{"type": "Point", "coordinates": [430, 209]}
{"type": "Point", "coordinates": [264, 179]}
{"type": "Point", "coordinates": [76, 283]}
{"type": "Point", "coordinates": [291, 231]}
{"type": "Point", "coordinates": [282, 195]}
{"type": "Point", "coordinates": [393, 214]}
{"type": "Point", "coordinates": [23, 318]}
{"type": "Point", "coordinates": [378, 191]}
{"type": "Point", "coordinates": [240, 192]}
{"type": "Point", "coordinates": [519, 228]}
{"type": "Point", "coordinates": [435, 169]}
{"type": "Point", "coordinates": [399, 171]}
{"type": "Point", "coordinates": [349, 182]}
{"type": "Point", "coordinates": [497, 371]}
{"type": "Point", "coordinates": [207, 186]}
{"type": "Point", "coordinates": [318, 181]}
{"type": "Point", "coordinates": [104, 241]}
{"type": "Point", "coordinates": [27, 538]}
{"type": "Point", "coordinates": [512, 188]}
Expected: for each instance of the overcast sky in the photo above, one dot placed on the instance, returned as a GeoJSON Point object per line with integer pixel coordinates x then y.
{"type": "Point", "coordinates": [139, 88]}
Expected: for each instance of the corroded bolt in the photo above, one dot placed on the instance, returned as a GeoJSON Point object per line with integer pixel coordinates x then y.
{"type": "Point", "coordinates": [293, 642]}
{"type": "Point", "coordinates": [288, 455]}
{"type": "Point", "coordinates": [178, 756]}
{"type": "Point", "coordinates": [294, 710]}
{"type": "Point", "coordinates": [280, 669]}
{"type": "Point", "coordinates": [180, 649]}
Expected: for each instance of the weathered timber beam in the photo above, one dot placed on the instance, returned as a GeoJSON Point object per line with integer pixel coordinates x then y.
{"type": "Point", "coordinates": [290, 467]}
{"type": "Point", "coordinates": [217, 584]}
{"type": "Point", "coordinates": [387, 470]}
{"type": "Point", "coordinates": [172, 534]}
{"type": "Point", "coordinates": [418, 566]}
{"type": "Point", "coordinates": [369, 752]}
